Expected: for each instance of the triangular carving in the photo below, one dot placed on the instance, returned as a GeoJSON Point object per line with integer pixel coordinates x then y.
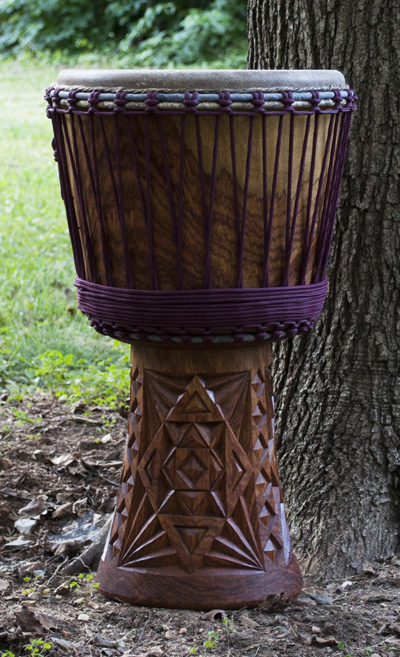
{"type": "Point", "coordinates": [174, 525]}
{"type": "Point", "coordinates": [195, 405]}
{"type": "Point", "coordinates": [212, 434]}
{"type": "Point", "coordinates": [191, 499]}
{"type": "Point", "coordinates": [229, 393]}
{"type": "Point", "coordinates": [195, 396]}
{"type": "Point", "coordinates": [238, 471]}
{"type": "Point", "coordinates": [191, 537]}
{"type": "Point", "coordinates": [192, 437]}
{"type": "Point", "coordinates": [162, 395]}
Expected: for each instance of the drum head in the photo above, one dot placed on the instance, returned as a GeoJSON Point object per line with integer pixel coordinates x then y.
{"type": "Point", "coordinates": [202, 80]}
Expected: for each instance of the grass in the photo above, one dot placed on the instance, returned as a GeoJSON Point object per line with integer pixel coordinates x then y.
{"type": "Point", "coordinates": [45, 342]}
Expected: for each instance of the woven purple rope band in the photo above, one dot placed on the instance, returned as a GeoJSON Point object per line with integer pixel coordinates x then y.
{"type": "Point", "coordinates": [188, 313]}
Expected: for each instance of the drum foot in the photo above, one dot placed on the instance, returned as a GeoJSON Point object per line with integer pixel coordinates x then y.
{"type": "Point", "coordinates": [200, 522]}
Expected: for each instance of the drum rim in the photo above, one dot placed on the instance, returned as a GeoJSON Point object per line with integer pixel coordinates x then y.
{"type": "Point", "coordinates": [171, 80]}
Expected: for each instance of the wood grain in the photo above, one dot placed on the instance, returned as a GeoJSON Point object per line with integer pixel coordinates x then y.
{"type": "Point", "coordinates": [199, 519]}
{"type": "Point", "coordinates": [112, 134]}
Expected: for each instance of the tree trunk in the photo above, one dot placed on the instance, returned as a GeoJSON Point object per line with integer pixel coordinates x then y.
{"type": "Point", "coordinates": [338, 388]}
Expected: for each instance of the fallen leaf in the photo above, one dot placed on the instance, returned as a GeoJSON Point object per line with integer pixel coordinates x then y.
{"type": "Point", "coordinates": [103, 642]}
{"type": "Point", "coordinates": [83, 617]}
{"type": "Point", "coordinates": [378, 598]}
{"type": "Point", "coordinates": [34, 508]}
{"type": "Point", "coordinates": [62, 510]}
{"type": "Point", "coordinates": [322, 641]}
{"type": "Point", "coordinates": [62, 642]}
{"type": "Point", "coordinates": [31, 620]}
{"type": "Point", "coordinates": [4, 584]}
{"type": "Point", "coordinates": [18, 543]}
{"type": "Point", "coordinates": [247, 622]}
{"type": "Point", "coordinates": [321, 599]}
{"type": "Point", "coordinates": [214, 614]}
{"type": "Point", "coordinates": [368, 568]}
{"type": "Point", "coordinates": [25, 525]}
{"type": "Point", "coordinates": [63, 460]}
{"type": "Point", "coordinates": [306, 638]}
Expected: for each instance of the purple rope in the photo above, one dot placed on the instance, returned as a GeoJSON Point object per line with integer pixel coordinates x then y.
{"type": "Point", "coordinates": [74, 157]}
{"type": "Point", "coordinates": [267, 232]}
{"type": "Point", "coordinates": [181, 204]}
{"type": "Point", "coordinates": [120, 204]}
{"type": "Point", "coordinates": [148, 217]}
{"type": "Point", "coordinates": [273, 197]}
{"type": "Point", "coordinates": [335, 197]}
{"type": "Point", "coordinates": [297, 200]}
{"type": "Point", "coordinates": [208, 229]}
{"type": "Point", "coordinates": [66, 194]}
{"type": "Point", "coordinates": [94, 180]}
{"type": "Point", "coordinates": [239, 282]}
{"type": "Point", "coordinates": [201, 309]}
{"type": "Point", "coordinates": [234, 181]}
{"type": "Point", "coordinates": [306, 252]}
{"type": "Point", "coordinates": [321, 181]}
{"type": "Point", "coordinates": [322, 234]}
{"type": "Point", "coordinates": [289, 204]}
{"type": "Point", "coordinates": [177, 224]}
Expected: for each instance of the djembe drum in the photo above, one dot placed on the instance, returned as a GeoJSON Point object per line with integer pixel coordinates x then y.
{"type": "Point", "coordinates": [201, 208]}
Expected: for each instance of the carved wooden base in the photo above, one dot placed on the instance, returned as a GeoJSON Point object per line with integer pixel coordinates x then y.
{"type": "Point", "coordinates": [199, 522]}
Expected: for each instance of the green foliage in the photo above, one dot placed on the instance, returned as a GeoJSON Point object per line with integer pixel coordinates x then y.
{"type": "Point", "coordinates": [40, 24]}
{"type": "Point", "coordinates": [142, 33]}
{"type": "Point", "coordinates": [76, 379]}
{"type": "Point", "coordinates": [45, 342]}
{"type": "Point", "coordinates": [214, 636]}
{"type": "Point", "coordinates": [38, 647]}
{"type": "Point", "coordinates": [85, 584]}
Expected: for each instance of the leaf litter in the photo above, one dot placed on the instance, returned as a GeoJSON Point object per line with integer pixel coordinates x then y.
{"type": "Point", "coordinates": [62, 481]}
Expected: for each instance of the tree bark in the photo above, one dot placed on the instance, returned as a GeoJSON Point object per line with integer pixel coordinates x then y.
{"type": "Point", "coordinates": [338, 389]}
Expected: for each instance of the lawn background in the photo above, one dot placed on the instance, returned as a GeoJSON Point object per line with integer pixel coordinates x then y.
{"type": "Point", "coordinates": [45, 342]}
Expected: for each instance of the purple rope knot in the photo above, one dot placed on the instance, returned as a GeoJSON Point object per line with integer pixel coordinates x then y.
{"type": "Point", "coordinates": [151, 100]}
{"type": "Point", "coordinates": [93, 101]}
{"type": "Point", "coordinates": [120, 101]}
{"type": "Point", "coordinates": [72, 100]}
{"type": "Point", "coordinates": [277, 333]}
{"type": "Point", "coordinates": [54, 147]}
{"type": "Point", "coordinates": [225, 101]}
{"type": "Point", "coordinates": [258, 101]}
{"type": "Point", "coordinates": [287, 100]}
{"type": "Point", "coordinates": [55, 101]}
{"type": "Point", "coordinates": [191, 99]}
{"type": "Point", "coordinates": [47, 96]}
{"type": "Point", "coordinates": [50, 102]}
{"type": "Point", "coordinates": [337, 98]}
{"type": "Point", "coordinates": [305, 326]}
{"type": "Point", "coordinates": [351, 99]}
{"type": "Point", "coordinates": [315, 101]}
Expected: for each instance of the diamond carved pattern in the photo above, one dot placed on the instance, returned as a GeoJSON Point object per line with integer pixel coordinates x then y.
{"type": "Point", "coordinates": [199, 487]}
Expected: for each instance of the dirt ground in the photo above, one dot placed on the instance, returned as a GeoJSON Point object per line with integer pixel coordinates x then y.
{"type": "Point", "coordinates": [63, 464]}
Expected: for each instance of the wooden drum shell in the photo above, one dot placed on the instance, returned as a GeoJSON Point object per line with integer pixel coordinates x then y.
{"type": "Point", "coordinates": [99, 144]}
